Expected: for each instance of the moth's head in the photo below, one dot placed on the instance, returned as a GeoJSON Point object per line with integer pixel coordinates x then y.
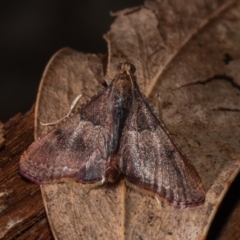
{"type": "Point", "coordinates": [126, 67]}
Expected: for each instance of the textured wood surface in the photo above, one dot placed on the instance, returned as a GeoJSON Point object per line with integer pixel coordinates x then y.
{"type": "Point", "coordinates": [22, 214]}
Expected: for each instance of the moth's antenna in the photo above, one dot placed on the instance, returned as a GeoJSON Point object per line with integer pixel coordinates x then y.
{"type": "Point", "coordinates": [73, 105]}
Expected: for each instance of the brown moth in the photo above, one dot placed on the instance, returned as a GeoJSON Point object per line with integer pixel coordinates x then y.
{"type": "Point", "coordinates": [116, 133]}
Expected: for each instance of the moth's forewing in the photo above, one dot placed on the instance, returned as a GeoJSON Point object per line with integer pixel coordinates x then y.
{"type": "Point", "coordinates": [152, 161]}
{"type": "Point", "coordinates": [76, 148]}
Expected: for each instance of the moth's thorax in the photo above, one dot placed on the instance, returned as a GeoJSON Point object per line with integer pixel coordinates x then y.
{"type": "Point", "coordinates": [125, 78]}
{"type": "Point", "coordinates": [121, 100]}
{"type": "Point", "coordinates": [123, 86]}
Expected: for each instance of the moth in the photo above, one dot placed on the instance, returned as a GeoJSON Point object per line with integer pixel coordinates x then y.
{"type": "Point", "coordinates": [116, 133]}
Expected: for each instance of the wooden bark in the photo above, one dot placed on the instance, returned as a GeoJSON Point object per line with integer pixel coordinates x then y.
{"type": "Point", "coordinates": [22, 213]}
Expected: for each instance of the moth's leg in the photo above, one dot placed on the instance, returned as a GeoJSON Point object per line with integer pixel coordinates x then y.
{"type": "Point", "coordinates": [73, 105]}
{"type": "Point", "coordinates": [88, 187]}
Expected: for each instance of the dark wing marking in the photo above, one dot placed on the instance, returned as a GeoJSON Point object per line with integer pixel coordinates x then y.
{"type": "Point", "coordinates": [79, 148]}
{"type": "Point", "coordinates": [151, 160]}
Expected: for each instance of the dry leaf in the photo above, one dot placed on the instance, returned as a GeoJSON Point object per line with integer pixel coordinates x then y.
{"type": "Point", "coordinates": [188, 54]}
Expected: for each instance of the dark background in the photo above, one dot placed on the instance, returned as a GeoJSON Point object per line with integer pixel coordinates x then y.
{"type": "Point", "coordinates": [32, 31]}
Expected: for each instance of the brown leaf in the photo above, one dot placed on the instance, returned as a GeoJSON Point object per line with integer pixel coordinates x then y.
{"type": "Point", "coordinates": [188, 54]}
